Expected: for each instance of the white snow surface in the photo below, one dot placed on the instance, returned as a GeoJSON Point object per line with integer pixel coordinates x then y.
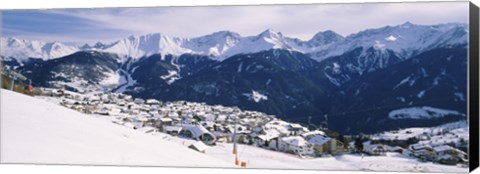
{"type": "Point", "coordinates": [424, 112]}
{"type": "Point", "coordinates": [49, 133]}
{"type": "Point", "coordinates": [256, 96]}
{"type": "Point", "coordinates": [36, 131]}
{"type": "Point", "coordinates": [404, 39]}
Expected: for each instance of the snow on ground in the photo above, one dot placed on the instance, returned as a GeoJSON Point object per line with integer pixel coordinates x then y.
{"type": "Point", "coordinates": [49, 133]}
{"type": "Point", "coordinates": [112, 79]}
{"type": "Point", "coordinates": [171, 77]}
{"type": "Point", "coordinates": [425, 112]}
{"type": "Point", "coordinates": [256, 157]}
{"type": "Point", "coordinates": [450, 132]}
{"type": "Point", "coordinates": [262, 158]}
{"type": "Point", "coordinates": [36, 131]}
{"type": "Point", "coordinates": [256, 96]}
{"type": "Point", "coordinates": [125, 81]}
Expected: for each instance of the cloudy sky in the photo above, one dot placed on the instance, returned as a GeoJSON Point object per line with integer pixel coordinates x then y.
{"type": "Point", "coordinates": [300, 21]}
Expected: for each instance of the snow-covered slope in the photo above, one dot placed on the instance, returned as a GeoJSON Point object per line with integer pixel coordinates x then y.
{"type": "Point", "coordinates": [21, 49]}
{"type": "Point", "coordinates": [35, 131]}
{"type": "Point", "coordinates": [418, 113]}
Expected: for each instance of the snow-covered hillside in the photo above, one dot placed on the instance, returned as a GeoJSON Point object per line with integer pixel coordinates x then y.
{"type": "Point", "coordinates": [418, 113]}
{"type": "Point", "coordinates": [36, 131]}
{"type": "Point", "coordinates": [454, 132]}
{"type": "Point", "coordinates": [405, 40]}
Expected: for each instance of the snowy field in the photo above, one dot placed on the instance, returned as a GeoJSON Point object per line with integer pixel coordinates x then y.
{"type": "Point", "coordinates": [37, 131]}
{"type": "Point", "coordinates": [454, 132]}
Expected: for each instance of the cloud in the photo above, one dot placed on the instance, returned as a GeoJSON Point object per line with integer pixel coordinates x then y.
{"type": "Point", "coordinates": [301, 21]}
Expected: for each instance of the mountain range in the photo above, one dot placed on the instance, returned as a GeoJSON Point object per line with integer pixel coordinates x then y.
{"type": "Point", "coordinates": [352, 83]}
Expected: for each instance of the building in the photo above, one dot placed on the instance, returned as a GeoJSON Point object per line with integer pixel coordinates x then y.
{"type": "Point", "coordinates": [423, 152]}
{"type": "Point", "coordinates": [296, 145]}
{"type": "Point", "coordinates": [198, 132]}
{"type": "Point", "coordinates": [374, 149]}
{"type": "Point", "coordinates": [449, 155]}
{"type": "Point", "coordinates": [323, 145]}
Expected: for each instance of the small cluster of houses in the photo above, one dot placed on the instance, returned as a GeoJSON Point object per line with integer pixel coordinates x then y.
{"type": "Point", "coordinates": [213, 124]}
{"type": "Point", "coordinates": [444, 154]}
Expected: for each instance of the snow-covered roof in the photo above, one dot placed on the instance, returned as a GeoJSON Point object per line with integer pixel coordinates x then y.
{"type": "Point", "coordinates": [315, 132]}
{"type": "Point", "coordinates": [442, 148]}
{"type": "Point", "coordinates": [200, 146]}
{"type": "Point", "coordinates": [196, 130]}
{"type": "Point", "coordinates": [152, 101]}
{"type": "Point", "coordinates": [269, 134]}
{"type": "Point", "coordinates": [419, 146]}
{"type": "Point", "coordinates": [166, 119]}
{"type": "Point", "coordinates": [172, 128]}
{"type": "Point", "coordinates": [295, 140]}
{"type": "Point", "coordinates": [319, 139]}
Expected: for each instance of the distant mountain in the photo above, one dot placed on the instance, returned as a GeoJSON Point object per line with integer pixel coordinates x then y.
{"type": "Point", "coordinates": [404, 40]}
{"type": "Point", "coordinates": [273, 81]}
{"type": "Point", "coordinates": [436, 78]}
{"type": "Point", "coordinates": [82, 72]}
{"type": "Point", "coordinates": [20, 50]}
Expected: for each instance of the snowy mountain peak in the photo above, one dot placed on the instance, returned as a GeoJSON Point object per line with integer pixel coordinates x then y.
{"type": "Point", "coordinates": [407, 24]}
{"type": "Point", "coordinates": [405, 40]}
{"type": "Point", "coordinates": [325, 37]}
{"type": "Point", "coordinates": [21, 49]}
{"type": "Point", "coordinates": [270, 33]}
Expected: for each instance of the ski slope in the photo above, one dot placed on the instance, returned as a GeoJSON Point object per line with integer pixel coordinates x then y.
{"type": "Point", "coordinates": [37, 131]}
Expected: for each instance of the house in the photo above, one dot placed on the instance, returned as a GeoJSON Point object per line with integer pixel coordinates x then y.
{"type": "Point", "coordinates": [424, 152]}
{"type": "Point", "coordinates": [152, 102]}
{"type": "Point", "coordinates": [267, 138]}
{"type": "Point", "coordinates": [199, 133]}
{"type": "Point", "coordinates": [166, 121]}
{"type": "Point", "coordinates": [296, 129]}
{"type": "Point", "coordinates": [396, 149]}
{"type": "Point", "coordinates": [449, 155]}
{"type": "Point", "coordinates": [323, 145]}
{"type": "Point", "coordinates": [374, 149]}
{"type": "Point", "coordinates": [139, 101]}
{"type": "Point", "coordinates": [296, 145]}
{"type": "Point", "coordinates": [198, 146]}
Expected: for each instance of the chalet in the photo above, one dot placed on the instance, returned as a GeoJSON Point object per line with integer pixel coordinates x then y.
{"type": "Point", "coordinates": [166, 121]}
{"type": "Point", "coordinates": [449, 155]}
{"type": "Point", "coordinates": [374, 149]}
{"type": "Point", "coordinates": [267, 138]}
{"type": "Point", "coordinates": [323, 145]}
{"type": "Point", "coordinates": [139, 101]}
{"type": "Point", "coordinates": [198, 132]}
{"type": "Point", "coordinates": [296, 129]}
{"type": "Point", "coordinates": [423, 152]}
{"type": "Point", "coordinates": [296, 145]}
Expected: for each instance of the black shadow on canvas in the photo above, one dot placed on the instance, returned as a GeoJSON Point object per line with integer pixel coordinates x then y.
{"type": "Point", "coordinates": [474, 87]}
